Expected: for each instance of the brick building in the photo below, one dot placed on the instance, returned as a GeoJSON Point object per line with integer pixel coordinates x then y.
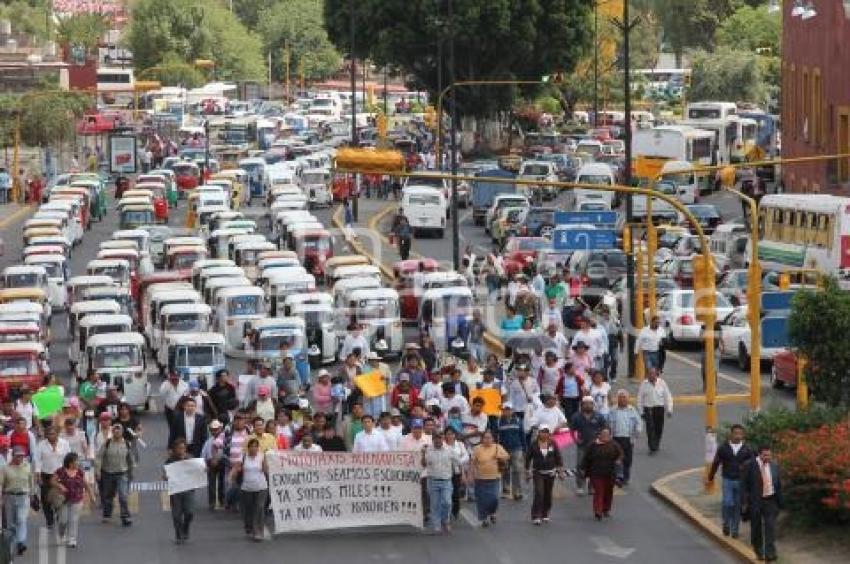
{"type": "Point", "coordinates": [816, 95]}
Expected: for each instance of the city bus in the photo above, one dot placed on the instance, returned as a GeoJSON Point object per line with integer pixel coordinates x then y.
{"type": "Point", "coordinates": [804, 231]}
{"type": "Point", "coordinates": [736, 136]}
{"type": "Point", "coordinates": [115, 86]}
{"type": "Point", "coordinates": [653, 147]}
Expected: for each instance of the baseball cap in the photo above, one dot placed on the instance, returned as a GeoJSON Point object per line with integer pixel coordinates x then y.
{"type": "Point", "coordinates": [105, 416]}
{"type": "Point", "coordinates": [432, 402]}
{"type": "Point", "coordinates": [19, 451]}
{"type": "Point", "coordinates": [587, 399]}
{"type": "Point", "coordinates": [373, 356]}
{"type": "Point", "coordinates": [416, 423]}
{"type": "Point", "coordinates": [507, 405]}
{"type": "Point", "coordinates": [544, 429]}
{"type": "Point", "coordinates": [323, 372]}
{"type": "Point", "coordinates": [216, 424]}
{"type": "Point", "coordinates": [404, 377]}
{"type": "Point", "coordinates": [523, 366]}
{"type": "Point", "coordinates": [394, 412]}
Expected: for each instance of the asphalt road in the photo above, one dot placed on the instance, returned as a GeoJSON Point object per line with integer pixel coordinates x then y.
{"type": "Point", "coordinates": [642, 529]}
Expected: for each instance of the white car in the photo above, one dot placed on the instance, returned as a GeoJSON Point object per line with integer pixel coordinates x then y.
{"type": "Point", "coordinates": [734, 339]}
{"type": "Point", "coordinates": [677, 314]}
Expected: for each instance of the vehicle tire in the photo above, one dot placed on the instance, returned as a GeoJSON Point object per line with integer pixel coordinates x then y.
{"type": "Point", "coordinates": [774, 379]}
{"type": "Point", "coordinates": [743, 358]}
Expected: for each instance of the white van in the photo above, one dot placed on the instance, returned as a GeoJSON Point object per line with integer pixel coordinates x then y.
{"type": "Point", "coordinates": [425, 209]}
{"type": "Point", "coordinates": [595, 173]}
{"type": "Point", "coordinates": [681, 173]}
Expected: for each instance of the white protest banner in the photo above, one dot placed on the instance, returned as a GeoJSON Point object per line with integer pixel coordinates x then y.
{"type": "Point", "coordinates": [189, 474]}
{"type": "Point", "coordinates": [311, 491]}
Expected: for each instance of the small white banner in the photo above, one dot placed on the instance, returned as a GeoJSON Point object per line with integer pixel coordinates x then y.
{"type": "Point", "coordinates": [332, 490]}
{"type": "Point", "coordinates": [189, 474]}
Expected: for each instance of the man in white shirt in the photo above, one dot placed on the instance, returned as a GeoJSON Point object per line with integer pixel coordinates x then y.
{"type": "Point", "coordinates": [416, 439]}
{"type": "Point", "coordinates": [355, 340]}
{"type": "Point", "coordinates": [654, 399]}
{"type": "Point", "coordinates": [586, 335]}
{"type": "Point", "coordinates": [471, 373]}
{"type": "Point", "coordinates": [392, 435]}
{"type": "Point", "coordinates": [307, 444]}
{"type": "Point", "coordinates": [562, 344]}
{"type": "Point", "coordinates": [474, 422]}
{"type": "Point", "coordinates": [549, 414]}
{"type": "Point", "coordinates": [601, 344]}
{"type": "Point", "coordinates": [552, 316]}
{"type": "Point", "coordinates": [369, 440]}
{"type": "Point", "coordinates": [650, 342]}
{"type": "Point", "coordinates": [170, 392]}
{"type": "Point", "coordinates": [432, 389]}
{"type": "Point", "coordinates": [452, 399]}
{"type": "Point", "coordinates": [49, 455]}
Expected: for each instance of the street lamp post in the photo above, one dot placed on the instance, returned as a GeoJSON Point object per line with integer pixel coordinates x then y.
{"type": "Point", "coordinates": [454, 212]}
{"type": "Point", "coordinates": [352, 56]}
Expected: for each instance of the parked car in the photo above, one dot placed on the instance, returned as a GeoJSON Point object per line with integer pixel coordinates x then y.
{"type": "Point", "coordinates": [734, 341]}
{"type": "Point", "coordinates": [539, 222]}
{"type": "Point", "coordinates": [677, 312]}
{"type": "Point", "coordinates": [783, 373]}
{"type": "Point", "coordinates": [707, 216]}
{"type": "Point", "coordinates": [595, 269]}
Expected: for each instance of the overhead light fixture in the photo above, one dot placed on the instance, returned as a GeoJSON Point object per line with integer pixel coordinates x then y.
{"type": "Point", "coordinates": [798, 9]}
{"type": "Point", "coordinates": [809, 12]}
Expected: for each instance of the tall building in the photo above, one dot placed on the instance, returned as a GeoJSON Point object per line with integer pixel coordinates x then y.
{"type": "Point", "coordinates": [816, 93]}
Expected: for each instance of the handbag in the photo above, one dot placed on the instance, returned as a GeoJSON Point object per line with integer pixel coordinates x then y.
{"type": "Point", "coordinates": [55, 497]}
{"type": "Point", "coordinates": [35, 503]}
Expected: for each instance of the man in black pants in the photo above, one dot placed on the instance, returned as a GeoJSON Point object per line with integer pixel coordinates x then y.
{"type": "Point", "coordinates": [654, 398]}
{"type": "Point", "coordinates": [762, 495]}
{"type": "Point", "coordinates": [404, 235]}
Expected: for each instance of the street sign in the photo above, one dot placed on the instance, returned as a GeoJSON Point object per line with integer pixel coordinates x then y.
{"type": "Point", "coordinates": [589, 217]}
{"type": "Point", "coordinates": [584, 239]}
{"type": "Point", "coordinates": [776, 300]}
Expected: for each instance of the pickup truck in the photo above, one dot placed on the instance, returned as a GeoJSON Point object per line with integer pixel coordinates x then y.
{"type": "Point", "coordinates": [483, 192]}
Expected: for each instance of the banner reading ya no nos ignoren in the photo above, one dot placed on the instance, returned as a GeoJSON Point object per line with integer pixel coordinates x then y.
{"type": "Point", "coordinates": [318, 490]}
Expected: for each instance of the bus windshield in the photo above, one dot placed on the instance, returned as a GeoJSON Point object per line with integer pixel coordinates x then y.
{"type": "Point", "coordinates": [18, 365]}
{"type": "Point", "coordinates": [423, 200]}
{"type": "Point", "coordinates": [199, 355]}
{"type": "Point", "coordinates": [377, 308]}
{"type": "Point", "coordinates": [27, 280]}
{"type": "Point", "coordinates": [186, 322]}
{"type": "Point", "coordinates": [271, 340]}
{"type": "Point", "coordinates": [243, 305]}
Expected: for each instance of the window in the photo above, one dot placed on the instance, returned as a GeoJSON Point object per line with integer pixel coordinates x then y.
{"type": "Point", "coordinates": [843, 143]}
{"type": "Point", "coordinates": [806, 126]}
{"type": "Point", "coordinates": [817, 121]}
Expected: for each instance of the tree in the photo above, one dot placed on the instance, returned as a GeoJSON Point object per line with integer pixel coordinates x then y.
{"type": "Point", "coordinates": [751, 29]}
{"type": "Point", "coordinates": [47, 117]}
{"type": "Point", "coordinates": [249, 11]}
{"type": "Point", "coordinates": [191, 31]}
{"type": "Point", "coordinates": [493, 39]}
{"type": "Point", "coordinates": [173, 71]}
{"type": "Point", "coordinates": [726, 74]}
{"type": "Point", "coordinates": [689, 24]}
{"type": "Point", "coordinates": [26, 17]}
{"type": "Point", "coordinates": [83, 30]}
{"type": "Point", "coordinates": [298, 23]}
{"type": "Point", "coordinates": [817, 328]}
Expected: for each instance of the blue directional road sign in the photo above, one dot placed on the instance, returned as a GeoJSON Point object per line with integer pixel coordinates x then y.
{"type": "Point", "coordinates": [590, 218]}
{"type": "Point", "coordinates": [776, 300]}
{"type": "Point", "coordinates": [584, 239]}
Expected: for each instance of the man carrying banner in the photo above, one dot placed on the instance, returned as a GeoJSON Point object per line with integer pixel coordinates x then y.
{"type": "Point", "coordinates": [369, 440]}
{"type": "Point", "coordinates": [440, 463]}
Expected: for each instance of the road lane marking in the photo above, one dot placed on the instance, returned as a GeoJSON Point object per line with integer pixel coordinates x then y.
{"type": "Point", "coordinates": [165, 501]}
{"type": "Point", "coordinates": [15, 216]}
{"type": "Point", "coordinates": [721, 375]}
{"type": "Point", "coordinates": [607, 547]}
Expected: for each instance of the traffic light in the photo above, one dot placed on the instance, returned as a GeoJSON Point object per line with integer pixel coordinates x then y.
{"type": "Point", "coordinates": [381, 124]}
{"type": "Point", "coordinates": [430, 117]}
{"type": "Point", "coordinates": [704, 290]}
{"type": "Point", "coordinates": [369, 161]}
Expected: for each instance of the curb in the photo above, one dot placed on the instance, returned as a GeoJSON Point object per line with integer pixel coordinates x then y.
{"type": "Point", "coordinates": [734, 547]}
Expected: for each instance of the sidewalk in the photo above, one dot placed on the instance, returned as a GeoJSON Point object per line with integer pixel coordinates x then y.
{"type": "Point", "coordinates": [684, 492]}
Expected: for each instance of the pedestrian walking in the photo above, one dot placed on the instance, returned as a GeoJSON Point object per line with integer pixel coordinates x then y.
{"type": "Point", "coordinates": [213, 455]}
{"type": "Point", "coordinates": [403, 234]}
{"type": "Point", "coordinates": [182, 503]}
{"type": "Point", "coordinates": [650, 342]}
{"type": "Point", "coordinates": [600, 465]}
{"type": "Point", "coordinates": [439, 462]}
{"type": "Point", "coordinates": [462, 455]}
{"type": "Point", "coordinates": [585, 427]}
{"type": "Point", "coordinates": [16, 482]}
{"type": "Point", "coordinates": [761, 490]}
{"type": "Point", "coordinates": [114, 470]}
{"type": "Point", "coordinates": [251, 474]}
{"type": "Point", "coordinates": [543, 463]}
{"type": "Point", "coordinates": [733, 457]}
{"type": "Point", "coordinates": [47, 459]}
{"type": "Point", "coordinates": [488, 461]}
{"type": "Point", "coordinates": [654, 399]}
{"type": "Point", "coordinates": [512, 439]}
{"type": "Point", "coordinates": [71, 486]}
{"type": "Point", "coordinates": [625, 423]}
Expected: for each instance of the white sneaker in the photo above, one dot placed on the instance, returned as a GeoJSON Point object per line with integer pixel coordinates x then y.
{"type": "Point", "coordinates": [537, 521]}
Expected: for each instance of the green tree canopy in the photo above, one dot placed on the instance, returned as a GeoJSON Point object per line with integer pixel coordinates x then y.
{"type": "Point", "coordinates": [300, 23]}
{"type": "Point", "coordinates": [494, 39]}
{"type": "Point", "coordinates": [248, 11]}
{"type": "Point", "coordinates": [751, 29]}
{"type": "Point", "coordinates": [47, 116]}
{"type": "Point", "coordinates": [82, 29]}
{"type": "Point", "coordinates": [687, 24]}
{"type": "Point", "coordinates": [818, 328]}
{"type": "Point", "coordinates": [191, 31]}
{"type": "Point", "coordinates": [726, 74]}
{"type": "Point", "coordinates": [26, 17]}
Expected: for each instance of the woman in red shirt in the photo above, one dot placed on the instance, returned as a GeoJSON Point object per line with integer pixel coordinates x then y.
{"type": "Point", "coordinates": [71, 482]}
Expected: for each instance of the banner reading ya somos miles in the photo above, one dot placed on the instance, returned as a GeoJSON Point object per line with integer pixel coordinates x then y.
{"type": "Point", "coordinates": [331, 490]}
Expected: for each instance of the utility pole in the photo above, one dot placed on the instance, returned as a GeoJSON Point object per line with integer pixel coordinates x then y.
{"type": "Point", "coordinates": [455, 229]}
{"type": "Point", "coordinates": [596, 63]}
{"type": "Point", "coordinates": [352, 56]}
{"type": "Point", "coordinates": [287, 59]}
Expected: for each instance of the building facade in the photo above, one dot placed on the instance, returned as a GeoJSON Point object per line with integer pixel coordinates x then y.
{"type": "Point", "coordinates": [816, 96]}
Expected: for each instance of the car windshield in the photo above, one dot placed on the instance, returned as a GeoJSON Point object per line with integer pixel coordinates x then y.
{"type": "Point", "coordinates": [184, 260]}
{"type": "Point", "coordinates": [199, 355]}
{"type": "Point", "coordinates": [687, 300]}
{"type": "Point", "coordinates": [315, 317]}
{"type": "Point", "coordinates": [117, 273]}
{"type": "Point", "coordinates": [424, 200]}
{"type": "Point", "coordinates": [542, 216]}
{"type": "Point", "coordinates": [138, 217]}
{"type": "Point", "coordinates": [313, 178]}
{"type": "Point", "coordinates": [117, 356]}
{"type": "Point", "coordinates": [18, 365]}
{"type": "Point", "coordinates": [316, 243]}
{"type": "Point", "coordinates": [426, 181]}
{"type": "Point", "coordinates": [28, 280]}
{"type": "Point", "coordinates": [617, 260]}
{"type": "Point", "coordinates": [595, 179]}
{"type": "Point", "coordinates": [186, 322]}
{"type": "Point", "coordinates": [703, 211]}
{"type": "Point", "coordinates": [244, 305]}
{"type": "Point", "coordinates": [535, 170]}
{"type": "Point", "coordinates": [377, 308]}
{"type": "Point", "coordinates": [272, 339]}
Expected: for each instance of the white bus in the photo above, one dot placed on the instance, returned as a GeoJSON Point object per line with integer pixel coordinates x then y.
{"type": "Point", "coordinates": [736, 136]}
{"type": "Point", "coordinates": [804, 231]}
{"type": "Point", "coordinates": [115, 86]}
{"type": "Point", "coordinates": [654, 147]}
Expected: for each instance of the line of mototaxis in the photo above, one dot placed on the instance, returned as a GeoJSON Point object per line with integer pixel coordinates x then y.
{"type": "Point", "coordinates": [179, 301]}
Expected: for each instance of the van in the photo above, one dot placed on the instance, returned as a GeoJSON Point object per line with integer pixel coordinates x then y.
{"type": "Point", "coordinates": [425, 209]}
{"type": "Point", "coordinates": [683, 176]}
{"type": "Point", "coordinates": [596, 173]}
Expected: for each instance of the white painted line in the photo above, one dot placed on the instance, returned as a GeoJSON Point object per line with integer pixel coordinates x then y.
{"type": "Point", "coordinates": [721, 375]}
{"type": "Point", "coordinates": [469, 518]}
